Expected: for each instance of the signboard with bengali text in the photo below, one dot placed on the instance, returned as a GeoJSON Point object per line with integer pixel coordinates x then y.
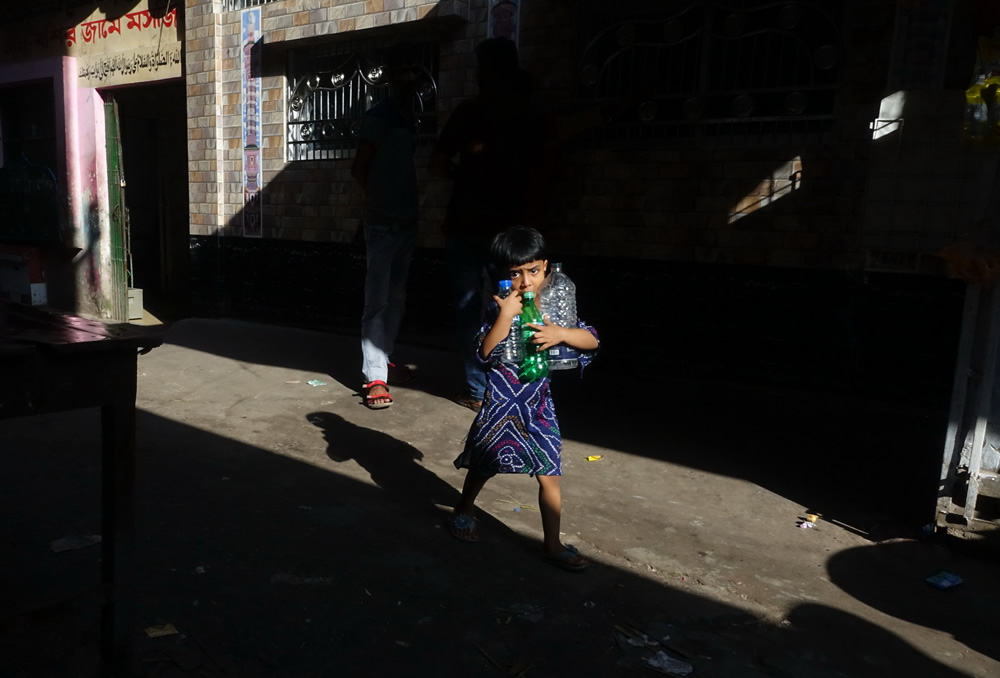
{"type": "Point", "coordinates": [124, 42]}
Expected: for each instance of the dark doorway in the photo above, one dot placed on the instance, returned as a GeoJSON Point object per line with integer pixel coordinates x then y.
{"type": "Point", "coordinates": [154, 153]}
{"type": "Point", "coordinates": [28, 166]}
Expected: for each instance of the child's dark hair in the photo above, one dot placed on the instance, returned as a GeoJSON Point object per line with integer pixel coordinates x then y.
{"type": "Point", "coordinates": [515, 246]}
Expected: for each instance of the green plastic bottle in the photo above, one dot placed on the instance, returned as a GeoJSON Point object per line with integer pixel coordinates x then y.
{"type": "Point", "coordinates": [535, 364]}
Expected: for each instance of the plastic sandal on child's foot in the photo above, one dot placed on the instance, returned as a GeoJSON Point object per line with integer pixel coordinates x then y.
{"type": "Point", "coordinates": [463, 527]}
{"type": "Point", "coordinates": [568, 559]}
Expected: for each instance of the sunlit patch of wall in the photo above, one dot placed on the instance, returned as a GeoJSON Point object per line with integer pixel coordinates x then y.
{"type": "Point", "coordinates": [890, 115]}
{"type": "Point", "coordinates": [780, 183]}
{"type": "Point", "coordinates": [922, 182]}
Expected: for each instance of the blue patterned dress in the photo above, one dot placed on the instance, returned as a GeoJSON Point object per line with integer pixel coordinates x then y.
{"type": "Point", "coordinates": [516, 431]}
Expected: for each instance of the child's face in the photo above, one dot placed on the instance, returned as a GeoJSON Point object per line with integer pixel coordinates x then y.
{"type": "Point", "coordinates": [528, 277]}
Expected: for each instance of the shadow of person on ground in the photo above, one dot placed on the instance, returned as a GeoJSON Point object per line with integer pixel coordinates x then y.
{"type": "Point", "coordinates": [276, 564]}
{"type": "Point", "coordinates": [838, 644]}
{"type": "Point", "coordinates": [393, 465]}
{"type": "Point", "coordinates": [825, 455]}
{"type": "Point", "coordinates": [892, 578]}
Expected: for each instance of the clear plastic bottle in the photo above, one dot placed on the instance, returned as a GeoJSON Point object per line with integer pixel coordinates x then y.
{"type": "Point", "coordinates": [513, 349]}
{"type": "Point", "coordinates": [558, 300]}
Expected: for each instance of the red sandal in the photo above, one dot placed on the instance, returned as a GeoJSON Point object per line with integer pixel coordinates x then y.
{"type": "Point", "coordinates": [376, 402]}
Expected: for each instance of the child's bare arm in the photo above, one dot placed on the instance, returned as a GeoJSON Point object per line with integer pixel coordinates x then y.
{"type": "Point", "coordinates": [550, 335]}
{"type": "Point", "coordinates": [509, 308]}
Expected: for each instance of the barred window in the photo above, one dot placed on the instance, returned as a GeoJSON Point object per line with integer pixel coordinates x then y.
{"type": "Point", "coordinates": [331, 86]}
{"type": "Point", "coordinates": [232, 5]}
{"type": "Point", "coordinates": [709, 70]}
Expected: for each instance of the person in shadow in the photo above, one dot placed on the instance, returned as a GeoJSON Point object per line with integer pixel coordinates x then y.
{"type": "Point", "coordinates": [383, 167]}
{"type": "Point", "coordinates": [892, 577]}
{"type": "Point", "coordinates": [498, 137]}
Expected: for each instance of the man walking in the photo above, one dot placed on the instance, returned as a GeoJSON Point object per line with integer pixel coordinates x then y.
{"type": "Point", "coordinates": [383, 166]}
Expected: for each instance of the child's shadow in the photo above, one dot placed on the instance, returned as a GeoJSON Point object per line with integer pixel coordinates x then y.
{"type": "Point", "coordinates": [393, 465]}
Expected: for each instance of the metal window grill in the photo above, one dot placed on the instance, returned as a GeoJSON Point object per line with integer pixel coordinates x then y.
{"type": "Point", "coordinates": [330, 88]}
{"type": "Point", "coordinates": [721, 71]}
{"type": "Point", "coordinates": [233, 5]}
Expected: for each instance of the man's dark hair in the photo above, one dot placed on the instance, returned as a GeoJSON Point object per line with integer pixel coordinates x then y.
{"type": "Point", "coordinates": [401, 54]}
{"type": "Point", "coordinates": [496, 61]}
{"type": "Point", "coordinates": [516, 246]}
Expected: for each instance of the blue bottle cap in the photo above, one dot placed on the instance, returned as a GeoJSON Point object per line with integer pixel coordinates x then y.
{"type": "Point", "coordinates": [505, 284]}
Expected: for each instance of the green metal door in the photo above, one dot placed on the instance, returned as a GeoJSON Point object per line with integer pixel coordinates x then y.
{"type": "Point", "coordinates": [121, 256]}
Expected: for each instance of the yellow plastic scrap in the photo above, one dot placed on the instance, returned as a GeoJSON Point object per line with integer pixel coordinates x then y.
{"type": "Point", "coordinates": [594, 457]}
{"type": "Point", "coordinates": [161, 630]}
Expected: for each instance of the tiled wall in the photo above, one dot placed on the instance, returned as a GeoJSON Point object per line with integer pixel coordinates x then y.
{"type": "Point", "coordinates": [926, 188]}
{"type": "Point", "coordinates": [307, 200]}
{"type": "Point", "coordinates": [203, 50]}
{"type": "Point", "coordinates": [783, 204]}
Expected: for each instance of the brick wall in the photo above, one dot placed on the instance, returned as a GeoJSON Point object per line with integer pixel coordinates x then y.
{"type": "Point", "coordinates": [765, 201]}
{"type": "Point", "coordinates": [305, 200]}
{"type": "Point", "coordinates": [203, 74]}
{"type": "Point", "coordinates": [784, 213]}
{"type": "Point", "coordinates": [925, 187]}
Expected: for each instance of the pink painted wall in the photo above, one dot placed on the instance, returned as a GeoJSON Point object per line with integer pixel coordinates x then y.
{"type": "Point", "coordinates": [78, 273]}
{"type": "Point", "coordinates": [88, 191]}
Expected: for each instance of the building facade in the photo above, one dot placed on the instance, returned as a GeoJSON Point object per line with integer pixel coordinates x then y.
{"type": "Point", "coordinates": [71, 150]}
{"type": "Point", "coordinates": [778, 177]}
{"type": "Point", "coordinates": [748, 161]}
{"type": "Point", "coordinates": [755, 190]}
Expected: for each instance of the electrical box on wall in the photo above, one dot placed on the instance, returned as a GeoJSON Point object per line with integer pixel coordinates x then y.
{"type": "Point", "coordinates": [134, 303]}
{"type": "Point", "coordinates": [22, 275]}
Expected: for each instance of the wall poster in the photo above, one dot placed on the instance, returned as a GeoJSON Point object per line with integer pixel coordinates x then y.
{"type": "Point", "coordinates": [504, 19]}
{"type": "Point", "coordinates": [252, 42]}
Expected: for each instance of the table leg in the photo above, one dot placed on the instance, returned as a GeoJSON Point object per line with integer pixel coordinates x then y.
{"type": "Point", "coordinates": [118, 518]}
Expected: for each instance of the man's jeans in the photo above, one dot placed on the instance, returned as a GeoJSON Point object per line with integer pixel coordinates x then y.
{"type": "Point", "coordinates": [390, 250]}
{"type": "Point", "coordinates": [467, 260]}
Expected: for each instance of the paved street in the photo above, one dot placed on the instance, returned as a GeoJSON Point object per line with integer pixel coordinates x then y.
{"type": "Point", "coordinates": [286, 530]}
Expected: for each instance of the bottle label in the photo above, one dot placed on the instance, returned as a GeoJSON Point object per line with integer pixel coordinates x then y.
{"type": "Point", "coordinates": [563, 357]}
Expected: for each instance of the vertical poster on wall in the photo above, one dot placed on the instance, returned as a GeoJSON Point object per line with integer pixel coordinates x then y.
{"type": "Point", "coordinates": [251, 42]}
{"type": "Point", "coordinates": [504, 19]}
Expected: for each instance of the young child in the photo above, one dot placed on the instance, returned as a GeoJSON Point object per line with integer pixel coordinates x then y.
{"type": "Point", "coordinates": [516, 430]}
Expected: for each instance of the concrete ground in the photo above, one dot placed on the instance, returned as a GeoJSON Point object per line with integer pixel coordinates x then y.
{"type": "Point", "coordinates": [286, 530]}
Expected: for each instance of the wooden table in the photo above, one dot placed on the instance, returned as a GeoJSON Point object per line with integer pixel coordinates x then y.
{"type": "Point", "coordinates": [51, 362]}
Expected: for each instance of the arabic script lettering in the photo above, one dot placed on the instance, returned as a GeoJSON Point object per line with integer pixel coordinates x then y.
{"type": "Point", "coordinates": [130, 63]}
